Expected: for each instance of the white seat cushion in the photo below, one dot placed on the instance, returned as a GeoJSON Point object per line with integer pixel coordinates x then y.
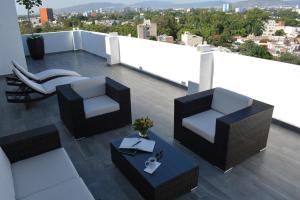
{"type": "Point", "coordinates": [99, 105]}
{"type": "Point", "coordinates": [227, 102]}
{"type": "Point", "coordinates": [73, 189]}
{"type": "Point", "coordinates": [55, 72]}
{"type": "Point", "coordinates": [7, 191]}
{"type": "Point", "coordinates": [204, 124]}
{"type": "Point", "coordinates": [90, 88]}
{"type": "Point", "coordinates": [41, 172]}
{"type": "Point", "coordinates": [50, 86]}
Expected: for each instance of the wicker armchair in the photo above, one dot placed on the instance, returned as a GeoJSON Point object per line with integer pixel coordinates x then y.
{"type": "Point", "coordinates": [221, 126]}
{"type": "Point", "coordinates": [94, 106]}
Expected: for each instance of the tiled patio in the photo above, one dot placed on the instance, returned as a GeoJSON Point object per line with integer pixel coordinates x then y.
{"type": "Point", "coordinates": [272, 174]}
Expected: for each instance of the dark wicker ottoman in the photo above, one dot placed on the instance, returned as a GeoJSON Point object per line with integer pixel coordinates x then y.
{"type": "Point", "coordinates": [177, 175]}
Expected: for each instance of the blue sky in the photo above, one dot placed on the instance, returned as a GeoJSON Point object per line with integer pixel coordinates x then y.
{"type": "Point", "coordinates": [66, 3]}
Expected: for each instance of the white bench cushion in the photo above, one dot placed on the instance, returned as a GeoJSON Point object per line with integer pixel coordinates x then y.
{"type": "Point", "coordinates": [73, 189]}
{"type": "Point", "coordinates": [90, 88]}
{"type": "Point", "coordinates": [41, 172]}
{"type": "Point", "coordinates": [7, 191]}
{"type": "Point", "coordinates": [227, 102]}
{"type": "Point", "coordinates": [99, 105]}
{"type": "Point", "coordinates": [204, 124]}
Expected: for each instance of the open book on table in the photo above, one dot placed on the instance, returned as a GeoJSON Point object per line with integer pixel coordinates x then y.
{"type": "Point", "coordinates": [137, 144]}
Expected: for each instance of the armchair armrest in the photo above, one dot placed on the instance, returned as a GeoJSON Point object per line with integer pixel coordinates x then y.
{"type": "Point", "coordinates": [70, 106]}
{"type": "Point", "coordinates": [190, 105]}
{"type": "Point", "coordinates": [30, 143]}
{"type": "Point", "coordinates": [115, 89]}
{"type": "Point", "coordinates": [121, 94]}
{"type": "Point", "coordinates": [241, 133]}
{"type": "Point", "coordinates": [193, 104]}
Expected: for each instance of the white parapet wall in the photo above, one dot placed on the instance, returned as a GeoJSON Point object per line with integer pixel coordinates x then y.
{"type": "Point", "coordinates": [173, 62]}
{"type": "Point", "coordinates": [54, 42]}
{"type": "Point", "coordinates": [269, 81]}
{"type": "Point", "coordinates": [94, 43]}
{"type": "Point", "coordinates": [10, 38]}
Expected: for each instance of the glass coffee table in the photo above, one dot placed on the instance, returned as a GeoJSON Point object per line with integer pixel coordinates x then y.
{"type": "Point", "coordinates": [177, 174]}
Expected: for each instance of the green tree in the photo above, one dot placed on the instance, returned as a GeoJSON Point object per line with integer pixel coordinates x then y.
{"type": "Point", "coordinates": [29, 4]}
{"type": "Point", "coordinates": [280, 33]}
{"type": "Point", "coordinates": [254, 21]}
{"type": "Point", "coordinates": [249, 48]}
{"type": "Point", "coordinates": [290, 58]}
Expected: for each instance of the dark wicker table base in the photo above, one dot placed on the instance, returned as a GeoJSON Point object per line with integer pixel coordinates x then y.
{"type": "Point", "coordinates": [169, 188]}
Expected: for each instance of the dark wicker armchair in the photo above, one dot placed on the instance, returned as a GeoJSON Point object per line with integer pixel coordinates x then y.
{"type": "Point", "coordinates": [234, 133]}
{"type": "Point", "coordinates": [85, 113]}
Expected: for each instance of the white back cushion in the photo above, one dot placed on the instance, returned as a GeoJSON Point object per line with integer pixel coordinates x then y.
{"type": "Point", "coordinates": [227, 102]}
{"type": "Point", "coordinates": [24, 71]}
{"type": "Point", "coordinates": [7, 190]}
{"type": "Point", "coordinates": [90, 88]}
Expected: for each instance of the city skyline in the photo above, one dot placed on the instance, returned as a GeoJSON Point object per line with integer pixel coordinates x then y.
{"type": "Point", "coordinates": [57, 4]}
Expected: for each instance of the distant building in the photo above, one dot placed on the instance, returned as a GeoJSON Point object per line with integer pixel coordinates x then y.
{"type": "Point", "coordinates": [227, 7]}
{"type": "Point", "coordinates": [93, 14]}
{"type": "Point", "coordinates": [147, 30]}
{"type": "Point", "coordinates": [292, 31]}
{"type": "Point", "coordinates": [269, 28]}
{"type": "Point", "coordinates": [165, 38]}
{"type": "Point", "coordinates": [191, 40]}
{"type": "Point", "coordinates": [237, 10]}
{"type": "Point", "coordinates": [46, 15]}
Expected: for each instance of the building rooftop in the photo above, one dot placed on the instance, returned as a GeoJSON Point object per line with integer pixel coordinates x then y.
{"type": "Point", "coordinates": [271, 174]}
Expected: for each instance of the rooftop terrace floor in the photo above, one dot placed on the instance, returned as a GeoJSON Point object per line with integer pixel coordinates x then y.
{"type": "Point", "coordinates": [271, 174]}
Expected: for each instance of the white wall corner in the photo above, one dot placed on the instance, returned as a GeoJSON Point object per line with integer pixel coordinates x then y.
{"type": "Point", "coordinates": [206, 71]}
{"type": "Point", "coordinates": [112, 50]}
{"type": "Point", "coordinates": [77, 40]}
{"type": "Point", "coordinates": [11, 47]}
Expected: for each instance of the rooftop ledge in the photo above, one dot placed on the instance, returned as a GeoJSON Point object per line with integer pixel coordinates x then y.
{"type": "Point", "coordinates": [269, 81]}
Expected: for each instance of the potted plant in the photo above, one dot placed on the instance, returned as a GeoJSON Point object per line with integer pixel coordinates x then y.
{"type": "Point", "coordinates": [142, 125]}
{"type": "Point", "coordinates": [35, 42]}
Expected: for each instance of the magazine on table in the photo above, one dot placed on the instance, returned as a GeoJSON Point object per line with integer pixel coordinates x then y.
{"type": "Point", "coordinates": [138, 144]}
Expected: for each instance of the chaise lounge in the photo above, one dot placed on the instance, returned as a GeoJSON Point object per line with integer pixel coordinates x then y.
{"type": "Point", "coordinates": [94, 106]}
{"type": "Point", "coordinates": [40, 77]}
{"type": "Point", "coordinates": [34, 166]}
{"type": "Point", "coordinates": [29, 91]}
{"type": "Point", "coordinates": [223, 127]}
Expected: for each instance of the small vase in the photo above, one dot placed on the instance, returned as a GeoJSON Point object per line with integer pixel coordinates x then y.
{"type": "Point", "coordinates": [144, 133]}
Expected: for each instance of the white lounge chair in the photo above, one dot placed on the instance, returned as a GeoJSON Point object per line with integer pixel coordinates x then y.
{"type": "Point", "coordinates": [40, 77]}
{"type": "Point", "coordinates": [30, 91]}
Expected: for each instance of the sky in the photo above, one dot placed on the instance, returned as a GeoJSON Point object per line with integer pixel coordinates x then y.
{"type": "Point", "coordinates": [66, 3]}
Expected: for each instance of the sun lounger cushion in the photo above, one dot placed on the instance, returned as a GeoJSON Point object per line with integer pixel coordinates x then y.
{"type": "Point", "coordinates": [45, 74]}
{"type": "Point", "coordinates": [48, 87]}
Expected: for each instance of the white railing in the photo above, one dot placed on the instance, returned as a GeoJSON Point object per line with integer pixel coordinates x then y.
{"type": "Point", "coordinates": [94, 43]}
{"type": "Point", "coordinates": [54, 42]}
{"type": "Point", "coordinates": [173, 62]}
{"type": "Point", "coordinates": [269, 81]}
{"type": "Point", "coordinates": [272, 82]}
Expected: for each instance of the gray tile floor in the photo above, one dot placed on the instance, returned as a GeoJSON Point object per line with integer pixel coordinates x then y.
{"type": "Point", "coordinates": [272, 174]}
